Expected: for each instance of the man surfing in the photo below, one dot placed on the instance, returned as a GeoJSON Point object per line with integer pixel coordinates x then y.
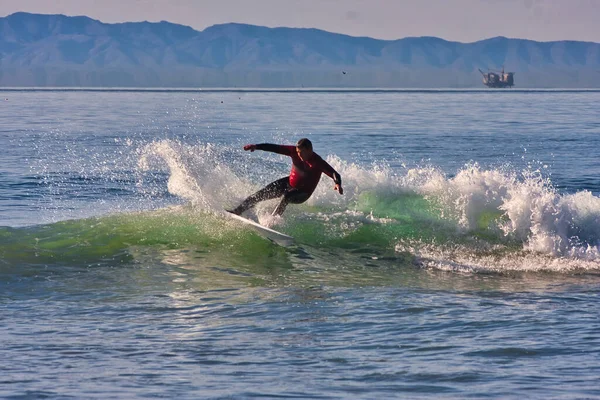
{"type": "Point", "coordinates": [307, 167]}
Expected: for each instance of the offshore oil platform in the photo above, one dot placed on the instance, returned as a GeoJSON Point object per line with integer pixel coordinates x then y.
{"type": "Point", "coordinates": [498, 79]}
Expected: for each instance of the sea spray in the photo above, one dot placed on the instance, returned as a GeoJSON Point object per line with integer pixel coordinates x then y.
{"type": "Point", "coordinates": [197, 173]}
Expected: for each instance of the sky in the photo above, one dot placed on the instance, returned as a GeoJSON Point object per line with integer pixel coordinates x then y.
{"type": "Point", "coordinates": [455, 20]}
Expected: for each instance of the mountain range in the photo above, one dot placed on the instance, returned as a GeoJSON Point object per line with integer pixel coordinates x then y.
{"type": "Point", "coordinates": [61, 51]}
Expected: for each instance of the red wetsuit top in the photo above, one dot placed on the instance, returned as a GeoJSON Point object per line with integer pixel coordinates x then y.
{"type": "Point", "coordinates": [305, 175]}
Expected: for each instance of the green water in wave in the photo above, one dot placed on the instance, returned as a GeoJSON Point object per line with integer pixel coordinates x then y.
{"type": "Point", "coordinates": [369, 230]}
{"type": "Point", "coordinates": [107, 239]}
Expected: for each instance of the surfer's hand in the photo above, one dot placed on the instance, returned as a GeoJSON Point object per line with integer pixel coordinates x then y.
{"type": "Point", "coordinates": [250, 147]}
{"type": "Point", "coordinates": [338, 188]}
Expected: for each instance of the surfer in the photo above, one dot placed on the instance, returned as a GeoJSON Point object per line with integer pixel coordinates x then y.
{"type": "Point", "coordinates": [307, 167]}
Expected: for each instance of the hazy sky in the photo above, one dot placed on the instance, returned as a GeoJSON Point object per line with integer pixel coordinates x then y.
{"type": "Point", "coordinates": [459, 20]}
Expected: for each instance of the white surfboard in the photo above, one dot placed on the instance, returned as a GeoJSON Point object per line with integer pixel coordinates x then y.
{"type": "Point", "coordinates": [271, 234]}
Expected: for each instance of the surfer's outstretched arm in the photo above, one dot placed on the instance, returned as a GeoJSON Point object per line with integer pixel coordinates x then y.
{"type": "Point", "coordinates": [273, 148]}
{"type": "Point", "coordinates": [337, 179]}
{"type": "Point", "coordinates": [333, 174]}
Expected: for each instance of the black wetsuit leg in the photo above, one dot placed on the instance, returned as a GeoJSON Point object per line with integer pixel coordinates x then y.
{"type": "Point", "coordinates": [293, 196]}
{"type": "Point", "coordinates": [271, 191]}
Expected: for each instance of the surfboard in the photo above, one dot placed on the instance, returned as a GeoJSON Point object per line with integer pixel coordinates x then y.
{"type": "Point", "coordinates": [271, 234]}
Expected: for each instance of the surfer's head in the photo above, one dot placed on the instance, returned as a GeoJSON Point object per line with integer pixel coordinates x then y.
{"type": "Point", "coordinates": [304, 149]}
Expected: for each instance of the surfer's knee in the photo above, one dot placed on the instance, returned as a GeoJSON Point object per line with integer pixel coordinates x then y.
{"type": "Point", "coordinates": [296, 197]}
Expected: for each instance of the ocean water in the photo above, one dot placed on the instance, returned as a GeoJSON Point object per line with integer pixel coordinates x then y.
{"type": "Point", "coordinates": [462, 261]}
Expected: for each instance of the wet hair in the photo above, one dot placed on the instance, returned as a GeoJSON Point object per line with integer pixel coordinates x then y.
{"type": "Point", "coordinates": [304, 143]}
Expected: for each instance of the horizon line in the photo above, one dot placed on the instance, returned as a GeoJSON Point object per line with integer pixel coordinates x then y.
{"type": "Point", "coordinates": [288, 89]}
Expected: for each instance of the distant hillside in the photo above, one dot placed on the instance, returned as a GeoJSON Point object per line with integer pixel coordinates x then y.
{"type": "Point", "coordinates": [56, 50]}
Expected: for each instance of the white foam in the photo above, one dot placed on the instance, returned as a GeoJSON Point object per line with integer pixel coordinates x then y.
{"type": "Point", "coordinates": [463, 259]}
{"type": "Point", "coordinates": [530, 209]}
